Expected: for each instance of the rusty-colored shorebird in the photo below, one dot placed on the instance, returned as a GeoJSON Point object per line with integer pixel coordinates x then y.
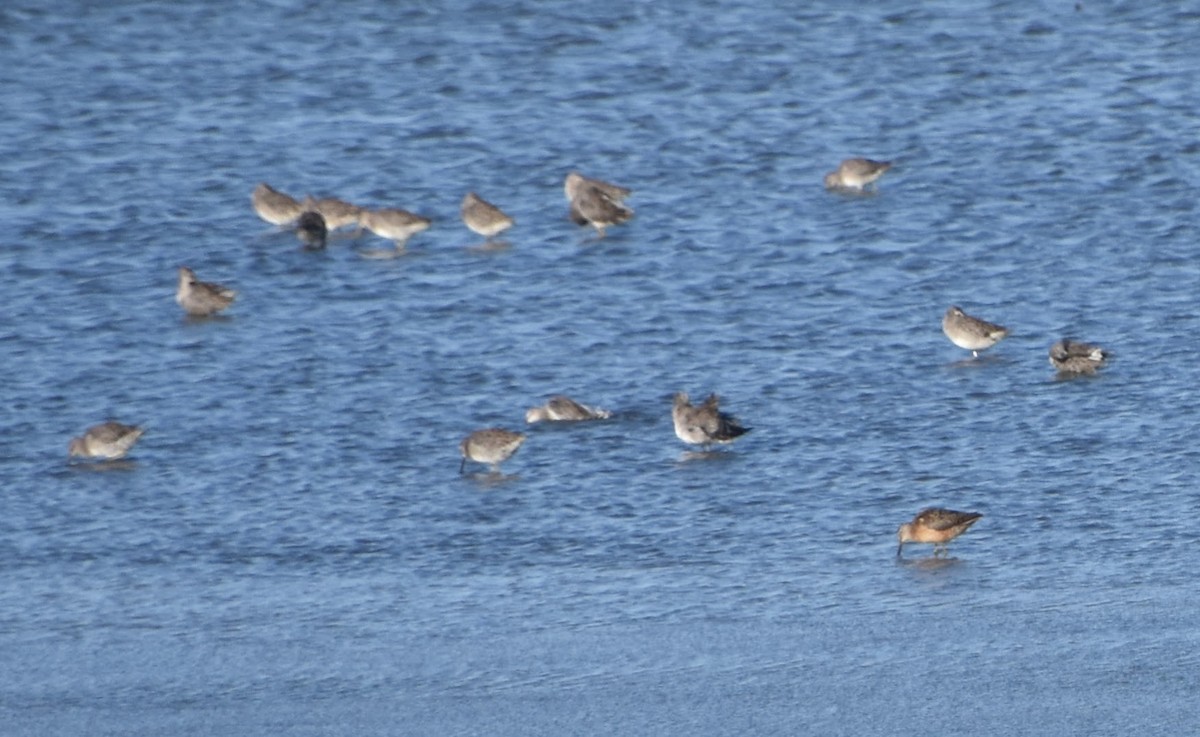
{"type": "Point", "coordinates": [937, 526]}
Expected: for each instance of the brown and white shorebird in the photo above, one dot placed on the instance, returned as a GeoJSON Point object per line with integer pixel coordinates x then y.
{"type": "Point", "coordinates": [337, 213]}
{"type": "Point", "coordinates": [935, 525]}
{"type": "Point", "coordinates": [311, 230]}
{"type": "Point", "coordinates": [492, 446]}
{"type": "Point", "coordinates": [483, 217]}
{"type": "Point", "coordinates": [1072, 357]}
{"type": "Point", "coordinates": [394, 224]}
{"type": "Point", "coordinates": [274, 206]}
{"type": "Point", "coordinates": [108, 441]}
{"type": "Point", "coordinates": [564, 409]}
{"type": "Point", "coordinates": [596, 202]}
{"type": "Point", "coordinates": [704, 424]}
{"type": "Point", "coordinates": [969, 332]}
{"type": "Point", "coordinates": [201, 298]}
{"type": "Point", "coordinates": [853, 175]}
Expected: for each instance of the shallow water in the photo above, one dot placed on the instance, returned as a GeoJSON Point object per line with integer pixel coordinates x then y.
{"type": "Point", "coordinates": [290, 548]}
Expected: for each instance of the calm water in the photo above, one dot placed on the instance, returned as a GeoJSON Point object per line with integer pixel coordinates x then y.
{"type": "Point", "coordinates": [291, 549]}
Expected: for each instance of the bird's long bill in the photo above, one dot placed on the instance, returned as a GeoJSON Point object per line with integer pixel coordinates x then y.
{"type": "Point", "coordinates": [462, 465]}
{"type": "Point", "coordinates": [899, 549]}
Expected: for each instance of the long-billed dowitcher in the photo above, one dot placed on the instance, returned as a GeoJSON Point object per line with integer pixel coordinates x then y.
{"type": "Point", "coordinates": [201, 298]}
{"type": "Point", "coordinates": [483, 217]}
{"type": "Point", "coordinates": [574, 181]}
{"type": "Point", "coordinates": [337, 213]}
{"type": "Point", "coordinates": [704, 424]}
{"type": "Point", "coordinates": [109, 441]}
{"type": "Point", "coordinates": [1072, 357]}
{"type": "Point", "coordinates": [854, 175]}
{"type": "Point", "coordinates": [970, 332]}
{"type": "Point", "coordinates": [596, 202]}
{"type": "Point", "coordinates": [311, 230]}
{"type": "Point", "coordinates": [935, 525]}
{"type": "Point", "coordinates": [394, 224]}
{"type": "Point", "coordinates": [564, 409]}
{"type": "Point", "coordinates": [593, 207]}
{"type": "Point", "coordinates": [492, 446]}
{"type": "Point", "coordinates": [274, 206]}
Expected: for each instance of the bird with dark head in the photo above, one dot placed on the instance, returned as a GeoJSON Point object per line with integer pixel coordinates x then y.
{"type": "Point", "coordinates": [1073, 357]}
{"type": "Point", "coordinates": [311, 230]}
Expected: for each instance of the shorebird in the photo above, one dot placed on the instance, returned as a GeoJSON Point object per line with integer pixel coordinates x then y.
{"type": "Point", "coordinates": [596, 202]}
{"type": "Point", "coordinates": [337, 213]}
{"type": "Point", "coordinates": [937, 526]}
{"type": "Point", "coordinates": [564, 409]}
{"type": "Point", "coordinates": [274, 206]}
{"type": "Point", "coordinates": [201, 298]}
{"type": "Point", "coordinates": [311, 230]}
{"type": "Point", "coordinates": [1073, 357]}
{"type": "Point", "coordinates": [492, 446]}
{"type": "Point", "coordinates": [393, 223]}
{"type": "Point", "coordinates": [970, 332]}
{"type": "Point", "coordinates": [483, 217]}
{"type": "Point", "coordinates": [855, 174]}
{"type": "Point", "coordinates": [109, 441]}
{"type": "Point", "coordinates": [704, 424]}
{"type": "Point", "coordinates": [575, 180]}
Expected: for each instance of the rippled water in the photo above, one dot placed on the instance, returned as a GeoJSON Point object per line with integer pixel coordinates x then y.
{"type": "Point", "coordinates": [291, 548]}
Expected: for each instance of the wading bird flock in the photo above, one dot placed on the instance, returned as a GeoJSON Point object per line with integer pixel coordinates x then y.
{"type": "Point", "coordinates": [600, 205]}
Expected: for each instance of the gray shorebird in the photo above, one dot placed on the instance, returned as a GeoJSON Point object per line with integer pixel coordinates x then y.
{"type": "Point", "coordinates": [492, 446]}
{"type": "Point", "coordinates": [969, 332]}
{"type": "Point", "coordinates": [394, 224]}
{"type": "Point", "coordinates": [108, 441]}
{"type": "Point", "coordinates": [704, 424]}
{"type": "Point", "coordinates": [574, 181]}
{"type": "Point", "coordinates": [854, 175]}
{"type": "Point", "coordinates": [596, 202]}
{"type": "Point", "coordinates": [1072, 357]}
{"type": "Point", "coordinates": [311, 230]}
{"type": "Point", "coordinates": [937, 526]}
{"type": "Point", "coordinates": [483, 217]}
{"type": "Point", "coordinates": [337, 213]}
{"type": "Point", "coordinates": [564, 409]}
{"type": "Point", "coordinates": [274, 206]}
{"type": "Point", "coordinates": [201, 298]}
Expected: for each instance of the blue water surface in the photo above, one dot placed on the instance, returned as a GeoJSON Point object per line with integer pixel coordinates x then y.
{"type": "Point", "coordinates": [291, 549]}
